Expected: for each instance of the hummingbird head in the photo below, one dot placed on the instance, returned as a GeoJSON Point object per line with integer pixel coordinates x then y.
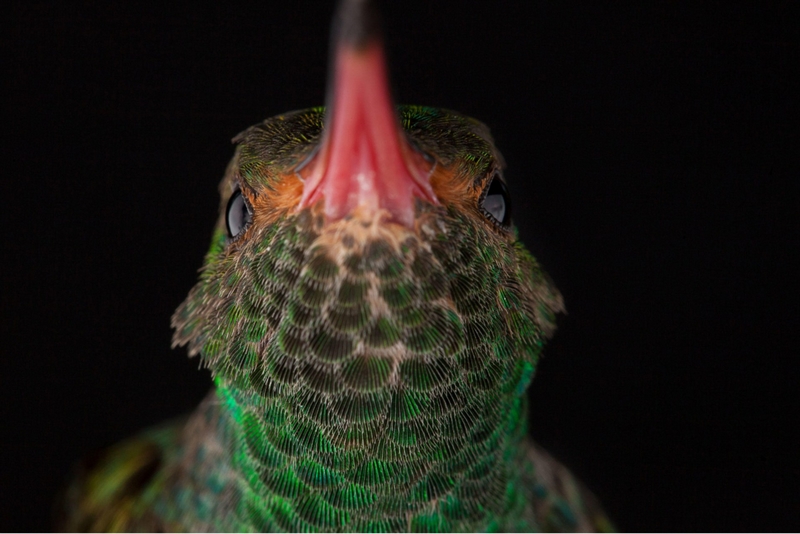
{"type": "Point", "coordinates": [366, 284]}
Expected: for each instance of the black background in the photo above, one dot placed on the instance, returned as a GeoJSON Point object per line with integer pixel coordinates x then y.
{"type": "Point", "coordinates": [647, 150]}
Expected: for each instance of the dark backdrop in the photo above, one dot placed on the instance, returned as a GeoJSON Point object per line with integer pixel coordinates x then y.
{"type": "Point", "coordinates": [648, 150]}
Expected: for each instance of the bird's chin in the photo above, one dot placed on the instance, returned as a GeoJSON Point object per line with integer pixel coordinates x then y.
{"type": "Point", "coordinates": [365, 224]}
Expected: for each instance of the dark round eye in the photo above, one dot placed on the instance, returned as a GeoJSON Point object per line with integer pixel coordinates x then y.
{"type": "Point", "coordinates": [238, 215]}
{"type": "Point", "coordinates": [496, 203]}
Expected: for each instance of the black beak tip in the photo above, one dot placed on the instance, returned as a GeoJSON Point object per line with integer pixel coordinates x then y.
{"type": "Point", "coordinates": [356, 23]}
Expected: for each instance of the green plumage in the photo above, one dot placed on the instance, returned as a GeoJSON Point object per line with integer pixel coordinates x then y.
{"type": "Point", "coordinates": [365, 379]}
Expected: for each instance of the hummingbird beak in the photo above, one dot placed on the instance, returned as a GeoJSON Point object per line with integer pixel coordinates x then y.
{"type": "Point", "coordinates": [364, 160]}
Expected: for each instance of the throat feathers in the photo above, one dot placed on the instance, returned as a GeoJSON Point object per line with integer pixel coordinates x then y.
{"type": "Point", "coordinates": [372, 324]}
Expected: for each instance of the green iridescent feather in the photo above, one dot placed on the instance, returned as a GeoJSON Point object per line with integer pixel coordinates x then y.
{"type": "Point", "coordinates": [372, 384]}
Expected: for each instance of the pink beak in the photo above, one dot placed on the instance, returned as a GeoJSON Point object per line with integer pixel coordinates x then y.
{"type": "Point", "coordinates": [364, 160]}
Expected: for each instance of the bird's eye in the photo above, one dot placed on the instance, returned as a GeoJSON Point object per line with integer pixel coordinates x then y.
{"type": "Point", "coordinates": [496, 203]}
{"type": "Point", "coordinates": [238, 215]}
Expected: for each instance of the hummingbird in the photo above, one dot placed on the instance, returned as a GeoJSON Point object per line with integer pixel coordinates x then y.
{"type": "Point", "coordinates": [371, 322]}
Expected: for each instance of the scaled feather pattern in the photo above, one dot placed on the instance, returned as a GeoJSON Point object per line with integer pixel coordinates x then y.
{"type": "Point", "coordinates": [369, 376]}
